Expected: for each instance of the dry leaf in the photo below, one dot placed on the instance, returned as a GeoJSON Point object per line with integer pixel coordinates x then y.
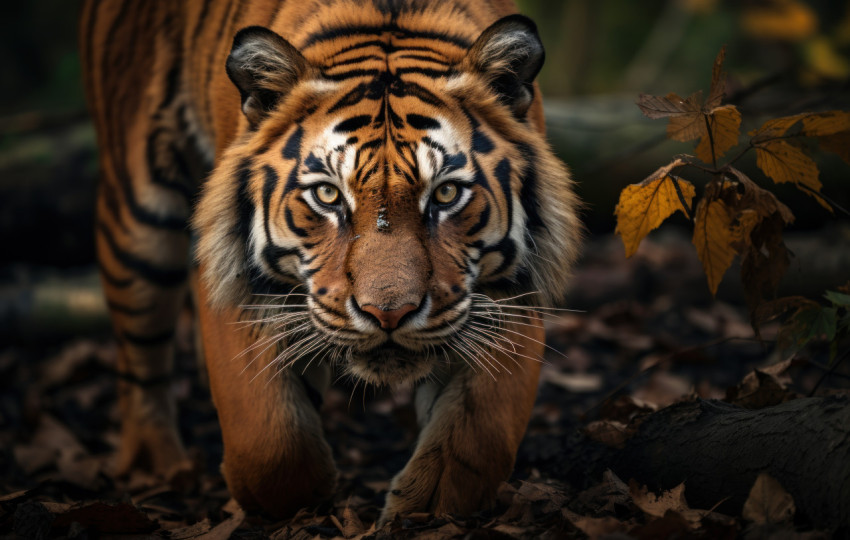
{"type": "Point", "coordinates": [669, 501]}
{"type": "Point", "coordinates": [826, 123]}
{"type": "Point", "coordinates": [718, 81]}
{"type": "Point", "coordinates": [714, 240]}
{"type": "Point", "coordinates": [670, 105]}
{"type": "Point", "coordinates": [725, 123]}
{"type": "Point", "coordinates": [768, 502]}
{"type": "Point", "coordinates": [643, 207]}
{"type": "Point", "coordinates": [609, 432]}
{"type": "Point", "coordinates": [595, 527]}
{"type": "Point", "coordinates": [786, 163]}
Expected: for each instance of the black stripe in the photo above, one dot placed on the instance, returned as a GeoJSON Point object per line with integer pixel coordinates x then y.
{"type": "Point", "coordinates": [147, 340]}
{"type": "Point", "coordinates": [353, 124]}
{"type": "Point", "coordinates": [528, 192]}
{"type": "Point", "coordinates": [368, 30]}
{"type": "Point", "coordinates": [418, 121]}
{"type": "Point", "coordinates": [115, 281]}
{"type": "Point", "coordinates": [354, 60]}
{"type": "Point", "coordinates": [128, 310]}
{"type": "Point", "coordinates": [350, 74]}
{"type": "Point", "coordinates": [164, 277]}
{"type": "Point", "coordinates": [422, 57]}
{"type": "Point", "coordinates": [298, 231]}
{"type": "Point", "coordinates": [503, 175]}
{"type": "Point", "coordinates": [245, 207]}
{"type": "Point", "coordinates": [483, 219]}
{"type": "Point", "coordinates": [269, 185]}
{"type": "Point", "coordinates": [427, 72]}
{"type": "Point", "coordinates": [481, 143]}
{"type": "Point", "coordinates": [159, 175]}
{"type": "Point", "coordinates": [199, 24]}
{"type": "Point", "coordinates": [292, 147]}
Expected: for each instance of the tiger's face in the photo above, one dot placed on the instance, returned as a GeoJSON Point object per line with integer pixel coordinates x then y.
{"type": "Point", "coordinates": [396, 202]}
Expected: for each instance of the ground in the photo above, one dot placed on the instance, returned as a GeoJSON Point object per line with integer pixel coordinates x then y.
{"type": "Point", "coordinates": [646, 334]}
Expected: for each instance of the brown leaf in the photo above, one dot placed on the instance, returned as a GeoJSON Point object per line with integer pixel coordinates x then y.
{"type": "Point", "coordinates": [225, 529]}
{"type": "Point", "coordinates": [718, 81]}
{"type": "Point", "coordinates": [714, 240]}
{"type": "Point", "coordinates": [775, 127]}
{"type": "Point", "coordinates": [670, 105]}
{"type": "Point", "coordinates": [786, 163]}
{"type": "Point", "coordinates": [759, 390]}
{"type": "Point", "coordinates": [609, 432]}
{"type": "Point", "coordinates": [826, 123]}
{"type": "Point", "coordinates": [764, 263]}
{"type": "Point", "coordinates": [660, 505]}
{"type": "Point", "coordinates": [643, 207]}
{"type": "Point", "coordinates": [596, 527]}
{"type": "Point", "coordinates": [768, 502]}
{"type": "Point", "coordinates": [724, 123]}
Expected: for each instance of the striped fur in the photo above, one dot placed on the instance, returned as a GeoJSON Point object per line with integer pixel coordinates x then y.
{"type": "Point", "coordinates": [239, 117]}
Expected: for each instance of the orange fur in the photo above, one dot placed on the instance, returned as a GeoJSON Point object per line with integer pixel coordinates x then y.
{"type": "Point", "coordinates": [379, 103]}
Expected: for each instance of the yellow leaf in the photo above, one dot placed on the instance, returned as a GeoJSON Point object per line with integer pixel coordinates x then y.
{"type": "Point", "coordinates": [714, 240]}
{"type": "Point", "coordinates": [724, 122]}
{"type": "Point", "coordinates": [786, 163]}
{"type": "Point", "coordinates": [785, 20]}
{"type": "Point", "coordinates": [776, 127]}
{"type": "Point", "coordinates": [838, 143]}
{"type": "Point", "coordinates": [826, 123]}
{"type": "Point", "coordinates": [643, 207]}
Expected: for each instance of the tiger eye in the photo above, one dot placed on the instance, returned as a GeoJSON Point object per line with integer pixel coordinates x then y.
{"type": "Point", "coordinates": [327, 194]}
{"type": "Point", "coordinates": [446, 193]}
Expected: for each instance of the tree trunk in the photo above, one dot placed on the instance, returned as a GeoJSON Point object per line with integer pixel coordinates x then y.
{"type": "Point", "coordinates": [719, 449]}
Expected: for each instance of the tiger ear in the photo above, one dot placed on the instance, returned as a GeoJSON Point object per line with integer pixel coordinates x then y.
{"type": "Point", "coordinates": [264, 67]}
{"type": "Point", "coordinates": [509, 55]}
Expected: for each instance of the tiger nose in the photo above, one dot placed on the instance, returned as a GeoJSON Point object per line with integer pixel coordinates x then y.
{"type": "Point", "coordinates": [388, 318]}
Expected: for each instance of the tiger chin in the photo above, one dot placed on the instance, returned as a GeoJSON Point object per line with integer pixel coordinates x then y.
{"type": "Point", "coordinates": [371, 193]}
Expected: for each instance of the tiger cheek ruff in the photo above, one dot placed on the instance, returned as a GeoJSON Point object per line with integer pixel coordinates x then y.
{"type": "Point", "coordinates": [371, 194]}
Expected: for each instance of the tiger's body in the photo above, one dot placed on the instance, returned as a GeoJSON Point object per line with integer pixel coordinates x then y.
{"type": "Point", "coordinates": [378, 198]}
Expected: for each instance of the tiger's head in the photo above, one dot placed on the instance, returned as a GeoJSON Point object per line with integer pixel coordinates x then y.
{"type": "Point", "coordinates": [395, 185]}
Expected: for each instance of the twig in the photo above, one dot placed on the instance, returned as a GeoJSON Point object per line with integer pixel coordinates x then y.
{"type": "Point", "coordinates": [834, 366]}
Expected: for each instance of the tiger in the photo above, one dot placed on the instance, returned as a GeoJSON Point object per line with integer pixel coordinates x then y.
{"type": "Point", "coordinates": [356, 188]}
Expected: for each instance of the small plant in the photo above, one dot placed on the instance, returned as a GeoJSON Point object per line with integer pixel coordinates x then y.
{"type": "Point", "coordinates": [735, 216]}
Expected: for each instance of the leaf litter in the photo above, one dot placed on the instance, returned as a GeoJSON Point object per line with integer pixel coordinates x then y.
{"type": "Point", "coordinates": [58, 428]}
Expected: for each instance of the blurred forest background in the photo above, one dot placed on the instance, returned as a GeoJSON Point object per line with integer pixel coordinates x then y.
{"type": "Point", "coordinates": [784, 56]}
{"type": "Point", "coordinates": [651, 327]}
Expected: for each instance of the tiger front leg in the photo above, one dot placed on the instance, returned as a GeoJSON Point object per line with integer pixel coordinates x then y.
{"type": "Point", "coordinates": [472, 428]}
{"type": "Point", "coordinates": [276, 459]}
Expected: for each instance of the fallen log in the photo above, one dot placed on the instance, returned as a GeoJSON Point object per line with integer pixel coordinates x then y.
{"type": "Point", "coordinates": [718, 449]}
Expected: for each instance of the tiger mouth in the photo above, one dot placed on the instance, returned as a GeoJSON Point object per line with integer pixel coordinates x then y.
{"type": "Point", "coordinates": [389, 363]}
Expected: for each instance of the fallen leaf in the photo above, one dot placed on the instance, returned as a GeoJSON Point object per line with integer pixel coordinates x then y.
{"type": "Point", "coordinates": [759, 389]}
{"type": "Point", "coordinates": [714, 240]}
{"type": "Point", "coordinates": [768, 502]}
{"type": "Point", "coordinates": [671, 500]}
{"type": "Point", "coordinates": [643, 207]}
{"type": "Point", "coordinates": [609, 432]}
{"type": "Point", "coordinates": [596, 527]}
